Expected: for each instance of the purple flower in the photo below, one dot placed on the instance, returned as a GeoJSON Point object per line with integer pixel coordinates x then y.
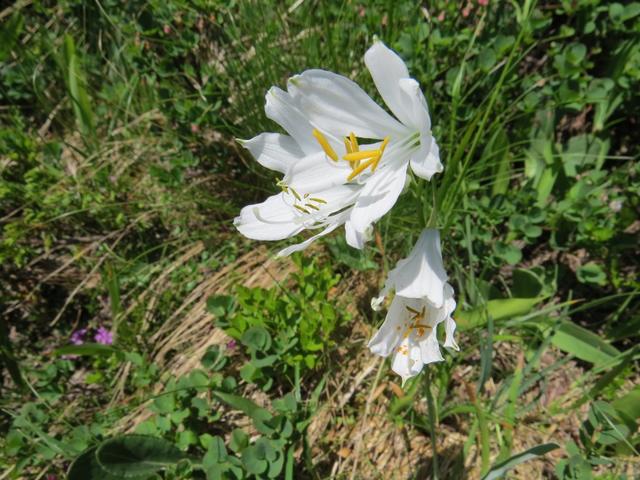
{"type": "Point", "coordinates": [231, 344]}
{"type": "Point", "coordinates": [103, 336]}
{"type": "Point", "coordinates": [77, 337]}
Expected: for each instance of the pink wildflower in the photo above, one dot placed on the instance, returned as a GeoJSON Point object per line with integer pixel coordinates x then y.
{"type": "Point", "coordinates": [484, 3]}
{"type": "Point", "coordinates": [77, 337]}
{"type": "Point", "coordinates": [103, 336]}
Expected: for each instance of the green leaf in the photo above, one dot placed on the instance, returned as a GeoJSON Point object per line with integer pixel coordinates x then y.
{"type": "Point", "coordinates": [253, 458]}
{"type": "Point", "coordinates": [499, 309]}
{"type": "Point", "coordinates": [583, 344]}
{"type": "Point", "coordinates": [220, 305]}
{"type": "Point", "coordinates": [9, 34]}
{"type": "Point", "coordinates": [526, 284]}
{"type": "Point", "coordinates": [487, 59]}
{"type": "Point", "coordinates": [86, 467]}
{"type": "Point", "coordinates": [508, 253]}
{"type": "Point", "coordinates": [502, 468]}
{"type": "Point", "coordinates": [89, 349]}
{"type": "Point", "coordinates": [629, 404]}
{"type": "Point", "coordinates": [256, 338]}
{"type": "Point", "coordinates": [244, 405]}
{"type": "Point", "coordinates": [239, 440]}
{"type": "Point", "coordinates": [136, 455]}
{"type": "Point", "coordinates": [76, 85]}
{"type": "Point", "coordinates": [216, 452]}
{"type": "Point", "coordinates": [592, 273]}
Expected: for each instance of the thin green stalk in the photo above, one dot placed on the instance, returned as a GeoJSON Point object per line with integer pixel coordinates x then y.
{"type": "Point", "coordinates": [432, 426]}
{"type": "Point", "coordinates": [484, 437]}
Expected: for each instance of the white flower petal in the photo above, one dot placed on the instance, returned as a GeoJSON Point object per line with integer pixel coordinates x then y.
{"type": "Point", "coordinates": [415, 105]}
{"type": "Point", "coordinates": [337, 105]}
{"type": "Point", "coordinates": [272, 219]}
{"type": "Point", "coordinates": [389, 334]}
{"type": "Point", "coordinates": [281, 108]}
{"type": "Point", "coordinates": [378, 195]}
{"type": "Point", "coordinates": [430, 350]}
{"type": "Point", "coordinates": [387, 69]}
{"type": "Point", "coordinates": [422, 274]}
{"type": "Point", "coordinates": [426, 161]}
{"type": "Point", "coordinates": [274, 151]}
{"type": "Point", "coordinates": [316, 172]}
{"type": "Point", "coordinates": [449, 322]}
{"type": "Point", "coordinates": [408, 364]}
{"type": "Point", "coordinates": [302, 245]}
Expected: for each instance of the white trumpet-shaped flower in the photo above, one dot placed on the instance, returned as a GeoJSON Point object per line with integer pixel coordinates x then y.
{"type": "Point", "coordinates": [423, 300]}
{"type": "Point", "coordinates": [345, 159]}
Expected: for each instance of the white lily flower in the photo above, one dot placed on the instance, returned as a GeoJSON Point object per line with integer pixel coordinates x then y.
{"type": "Point", "coordinates": [314, 194]}
{"type": "Point", "coordinates": [342, 112]}
{"type": "Point", "coordinates": [423, 299]}
{"type": "Point", "coordinates": [330, 176]}
{"type": "Point", "coordinates": [420, 275]}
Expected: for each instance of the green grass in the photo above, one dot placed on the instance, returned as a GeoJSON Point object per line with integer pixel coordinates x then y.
{"type": "Point", "coordinates": [120, 177]}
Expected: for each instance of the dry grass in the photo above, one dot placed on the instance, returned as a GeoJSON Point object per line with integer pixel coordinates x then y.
{"type": "Point", "coordinates": [352, 434]}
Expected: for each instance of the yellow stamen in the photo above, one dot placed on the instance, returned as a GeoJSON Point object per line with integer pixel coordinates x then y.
{"type": "Point", "coordinates": [382, 147]}
{"type": "Point", "coordinates": [347, 145]}
{"type": "Point", "coordinates": [354, 142]}
{"type": "Point", "coordinates": [317, 200]}
{"type": "Point", "coordinates": [303, 210]}
{"type": "Point", "coordinates": [325, 145]}
{"type": "Point", "coordinates": [359, 169]}
{"type": "Point", "coordinates": [412, 310]}
{"type": "Point", "coordinates": [295, 194]}
{"type": "Point", "coordinates": [311, 205]}
{"type": "Point", "coordinates": [361, 155]}
{"type": "Point", "coordinates": [419, 325]}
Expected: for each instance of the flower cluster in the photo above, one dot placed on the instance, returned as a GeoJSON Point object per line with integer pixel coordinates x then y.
{"type": "Point", "coordinates": [102, 335]}
{"type": "Point", "coordinates": [345, 161]}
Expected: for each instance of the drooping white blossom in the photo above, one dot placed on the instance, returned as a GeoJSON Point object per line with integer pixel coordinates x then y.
{"type": "Point", "coordinates": [423, 300]}
{"type": "Point", "coordinates": [345, 159]}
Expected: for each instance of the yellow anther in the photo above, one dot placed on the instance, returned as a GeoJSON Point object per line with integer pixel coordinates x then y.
{"type": "Point", "coordinates": [311, 205]}
{"type": "Point", "coordinates": [295, 194]}
{"type": "Point", "coordinates": [382, 147]}
{"type": "Point", "coordinates": [317, 200]}
{"type": "Point", "coordinates": [347, 145]}
{"type": "Point", "coordinates": [325, 145]}
{"type": "Point", "coordinates": [360, 168]}
{"type": "Point", "coordinates": [303, 210]}
{"type": "Point", "coordinates": [354, 142]}
{"type": "Point", "coordinates": [412, 310]}
{"type": "Point", "coordinates": [361, 155]}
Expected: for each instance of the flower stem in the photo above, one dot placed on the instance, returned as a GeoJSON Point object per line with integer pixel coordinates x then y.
{"type": "Point", "coordinates": [484, 438]}
{"type": "Point", "coordinates": [432, 426]}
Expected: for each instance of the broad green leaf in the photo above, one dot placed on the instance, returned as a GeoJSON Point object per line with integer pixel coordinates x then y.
{"type": "Point", "coordinates": [629, 404]}
{"type": "Point", "coordinates": [583, 344]}
{"type": "Point", "coordinates": [499, 309]}
{"type": "Point", "coordinates": [219, 305]}
{"type": "Point", "coordinates": [526, 284]}
{"type": "Point", "coordinates": [502, 468]}
{"type": "Point", "coordinates": [136, 455]}
{"type": "Point", "coordinates": [86, 467]}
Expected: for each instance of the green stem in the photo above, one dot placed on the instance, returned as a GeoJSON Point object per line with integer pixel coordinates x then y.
{"type": "Point", "coordinates": [484, 438]}
{"type": "Point", "coordinates": [432, 426]}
